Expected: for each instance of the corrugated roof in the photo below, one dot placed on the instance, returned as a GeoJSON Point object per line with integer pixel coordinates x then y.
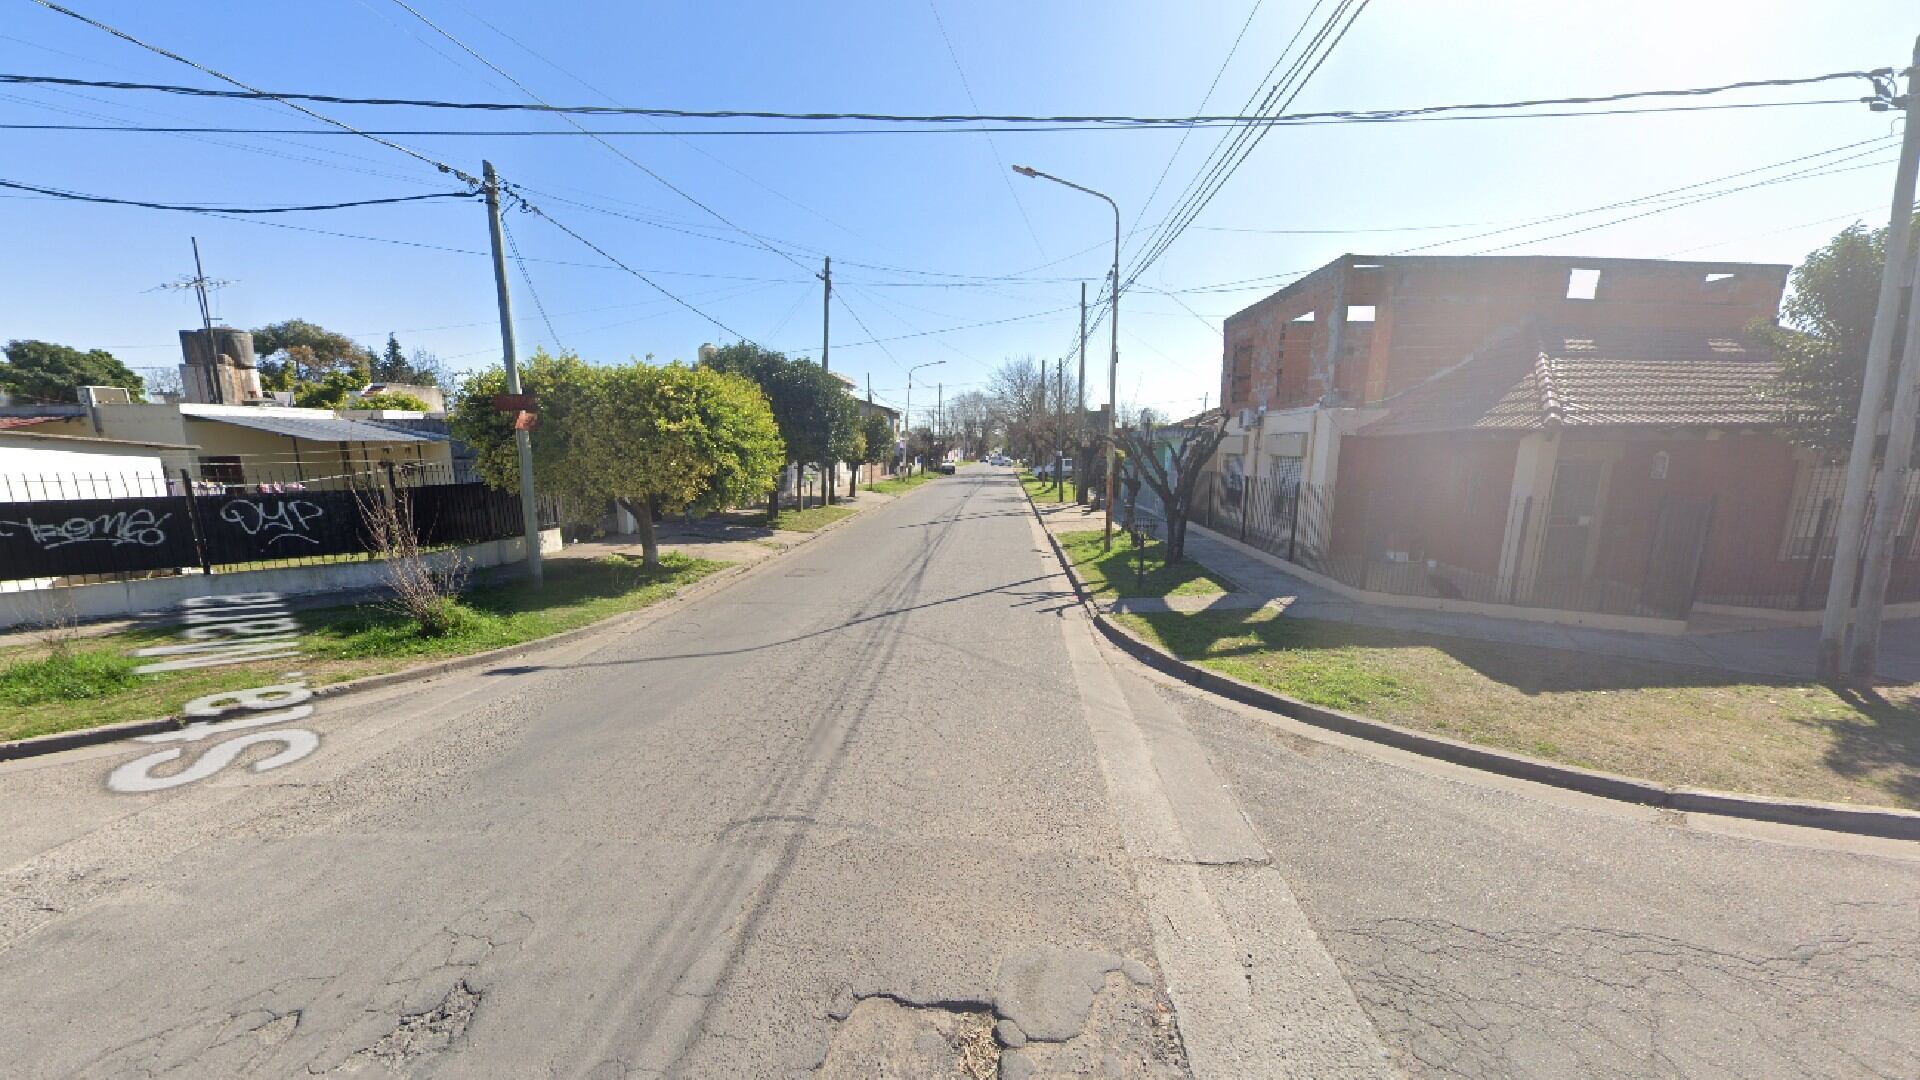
{"type": "Point", "coordinates": [318, 429]}
{"type": "Point", "coordinates": [1529, 379]}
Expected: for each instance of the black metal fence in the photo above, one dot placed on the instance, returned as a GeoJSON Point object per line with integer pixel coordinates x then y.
{"type": "Point", "coordinates": [1657, 557]}
{"type": "Point", "coordinates": [1518, 555]}
{"type": "Point", "coordinates": [78, 529]}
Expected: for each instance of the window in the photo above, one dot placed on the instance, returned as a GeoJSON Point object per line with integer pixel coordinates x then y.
{"type": "Point", "coordinates": [221, 470]}
{"type": "Point", "coordinates": [1582, 284]}
{"type": "Point", "coordinates": [1360, 313]}
{"type": "Point", "coordinates": [1241, 387]}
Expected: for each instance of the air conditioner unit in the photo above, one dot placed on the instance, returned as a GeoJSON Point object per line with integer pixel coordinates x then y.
{"type": "Point", "coordinates": [105, 395]}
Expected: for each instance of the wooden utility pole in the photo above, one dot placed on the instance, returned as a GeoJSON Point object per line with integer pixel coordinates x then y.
{"type": "Point", "coordinates": [1848, 544]}
{"type": "Point", "coordinates": [522, 437]}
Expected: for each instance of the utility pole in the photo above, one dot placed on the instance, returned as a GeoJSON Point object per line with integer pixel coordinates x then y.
{"type": "Point", "coordinates": [522, 438]}
{"type": "Point", "coordinates": [1829, 663]}
{"type": "Point", "coordinates": [1080, 410]}
{"type": "Point", "coordinates": [1060, 422]}
{"type": "Point", "coordinates": [1890, 494]}
{"type": "Point", "coordinates": [206, 326]}
{"type": "Point", "coordinates": [826, 318]}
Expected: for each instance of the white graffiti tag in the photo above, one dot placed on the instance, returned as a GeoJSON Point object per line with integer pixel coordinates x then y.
{"type": "Point", "coordinates": [141, 527]}
{"type": "Point", "coordinates": [287, 519]}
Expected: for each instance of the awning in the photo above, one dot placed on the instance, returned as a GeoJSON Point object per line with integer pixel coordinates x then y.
{"type": "Point", "coordinates": [331, 429]}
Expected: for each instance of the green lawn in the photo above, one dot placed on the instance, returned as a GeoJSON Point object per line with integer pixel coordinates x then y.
{"type": "Point", "coordinates": [1040, 489]}
{"type": "Point", "coordinates": [1115, 573]}
{"type": "Point", "coordinates": [1663, 722]}
{"type": "Point", "coordinates": [899, 484]}
{"type": "Point", "coordinates": [92, 681]}
{"type": "Point", "coordinates": [812, 519]}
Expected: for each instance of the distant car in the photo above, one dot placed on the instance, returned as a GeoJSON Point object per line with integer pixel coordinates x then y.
{"type": "Point", "coordinates": [999, 459]}
{"type": "Point", "coordinates": [948, 468]}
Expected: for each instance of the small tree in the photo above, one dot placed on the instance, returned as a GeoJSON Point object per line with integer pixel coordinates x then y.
{"type": "Point", "coordinates": [673, 437]}
{"type": "Point", "coordinates": [879, 432]}
{"type": "Point", "coordinates": [1169, 460]}
{"type": "Point", "coordinates": [563, 387]}
{"type": "Point", "coordinates": [424, 590]}
{"type": "Point", "coordinates": [388, 399]}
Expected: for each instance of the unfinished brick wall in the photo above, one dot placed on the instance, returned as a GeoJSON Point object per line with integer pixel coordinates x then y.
{"type": "Point", "coordinates": [1428, 314]}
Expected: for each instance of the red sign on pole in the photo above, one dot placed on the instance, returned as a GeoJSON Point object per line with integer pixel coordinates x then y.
{"type": "Point", "coordinates": [513, 403]}
{"type": "Point", "coordinates": [525, 421]}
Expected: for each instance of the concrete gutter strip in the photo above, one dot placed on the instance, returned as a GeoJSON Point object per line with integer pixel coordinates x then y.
{"type": "Point", "coordinates": [1887, 822]}
{"type": "Point", "coordinates": [74, 740]}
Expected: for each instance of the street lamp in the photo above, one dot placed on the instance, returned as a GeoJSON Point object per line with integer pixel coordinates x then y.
{"type": "Point", "coordinates": [1113, 317]}
{"type": "Point", "coordinates": [910, 371]}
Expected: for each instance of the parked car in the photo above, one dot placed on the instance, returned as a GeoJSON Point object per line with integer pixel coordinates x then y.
{"type": "Point", "coordinates": [948, 468]}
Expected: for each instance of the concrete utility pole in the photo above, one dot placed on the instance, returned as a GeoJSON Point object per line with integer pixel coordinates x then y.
{"type": "Point", "coordinates": [826, 318]}
{"type": "Point", "coordinates": [1080, 407]}
{"type": "Point", "coordinates": [522, 438]}
{"type": "Point", "coordinates": [1829, 662]}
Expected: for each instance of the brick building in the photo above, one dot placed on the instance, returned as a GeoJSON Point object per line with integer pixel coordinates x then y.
{"type": "Point", "coordinates": [1581, 434]}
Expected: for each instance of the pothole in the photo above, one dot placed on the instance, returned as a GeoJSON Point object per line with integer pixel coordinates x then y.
{"type": "Point", "coordinates": [430, 1032]}
{"type": "Point", "coordinates": [883, 1037]}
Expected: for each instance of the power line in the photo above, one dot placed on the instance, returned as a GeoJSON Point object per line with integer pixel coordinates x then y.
{"type": "Point", "coordinates": [1000, 164]}
{"type": "Point", "coordinates": [1091, 129]}
{"type": "Point", "coordinates": [514, 246]}
{"type": "Point", "coordinates": [1236, 119]}
{"type": "Point", "coordinates": [290, 101]}
{"type": "Point", "coordinates": [1205, 99]}
{"type": "Point", "coordinates": [523, 88]}
{"type": "Point", "coordinates": [196, 208]}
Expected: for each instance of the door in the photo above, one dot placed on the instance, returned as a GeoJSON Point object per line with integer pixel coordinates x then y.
{"type": "Point", "coordinates": [1573, 517]}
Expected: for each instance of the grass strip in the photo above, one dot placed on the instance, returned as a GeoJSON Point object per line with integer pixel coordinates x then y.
{"type": "Point", "coordinates": [1670, 723]}
{"type": "Point", "coordinates": [1114, 573]}
{"type": "Point", "coordinates": [41, 693]}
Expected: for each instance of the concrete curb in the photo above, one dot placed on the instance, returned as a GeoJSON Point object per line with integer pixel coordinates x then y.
{"type": "Point", "coordinates": [73, 740]}
{"type": "Point", "coordinates": [1887, 822]}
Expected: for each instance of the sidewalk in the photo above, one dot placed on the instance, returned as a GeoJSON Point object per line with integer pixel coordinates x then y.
{"type": "Point", "coordinates": [1779, 651]}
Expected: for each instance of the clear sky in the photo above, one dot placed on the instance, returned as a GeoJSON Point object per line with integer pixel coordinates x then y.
{"type": "Point", "coordinates": [904, 216]}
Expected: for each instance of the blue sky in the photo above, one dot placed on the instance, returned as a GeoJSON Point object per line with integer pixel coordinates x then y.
{"type": "Point", "coordinates": [901, 214]}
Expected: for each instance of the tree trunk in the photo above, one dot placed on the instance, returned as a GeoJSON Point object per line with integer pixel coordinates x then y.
{"type": "Point", "coordinates": [773, 503]}
{"type": "Point", "coordinates": [642, 511]}
{"type": "Point", "coordinates": [829, 481]}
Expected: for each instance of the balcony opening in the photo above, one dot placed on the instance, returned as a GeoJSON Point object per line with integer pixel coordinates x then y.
{"type": "Point", "coordinates": [1582, 284]}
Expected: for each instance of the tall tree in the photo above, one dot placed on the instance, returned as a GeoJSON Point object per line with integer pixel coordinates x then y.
{"type": "Point", "coordinates": [563, 387]}
{"type": "Point", "coordinates": [394, 365]}
{"type": "Point", "coordinates": [1822, 346]}
{"type": "Point", "coordinates": [42, 371]}
{"type": "Point", "coordinates": [815, 413]}
{"type": "Point", "coordinates": [324, 351]}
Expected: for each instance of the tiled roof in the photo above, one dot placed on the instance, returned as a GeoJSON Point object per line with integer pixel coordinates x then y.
{"type": "Point", "coordinates": [27, 421]}
{"type": "Point", "coordinates": [1528, 379]}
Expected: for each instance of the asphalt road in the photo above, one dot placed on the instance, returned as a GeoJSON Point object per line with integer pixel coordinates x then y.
{"type": "Point", "coordinates": [884, 806]}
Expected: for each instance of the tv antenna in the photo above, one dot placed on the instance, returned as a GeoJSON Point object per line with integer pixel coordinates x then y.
{"type": "Point", "coordinates": [200, 283]}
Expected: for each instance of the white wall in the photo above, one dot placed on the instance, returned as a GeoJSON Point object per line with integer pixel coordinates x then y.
{"type": "Point", "coordinates": [37, 474]}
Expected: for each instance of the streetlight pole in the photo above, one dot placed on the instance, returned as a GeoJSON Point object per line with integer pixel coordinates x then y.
{"type": "Point", "coordinates": [1113, 321]}
{"type": "Point", "coordinates": [909, 417]}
